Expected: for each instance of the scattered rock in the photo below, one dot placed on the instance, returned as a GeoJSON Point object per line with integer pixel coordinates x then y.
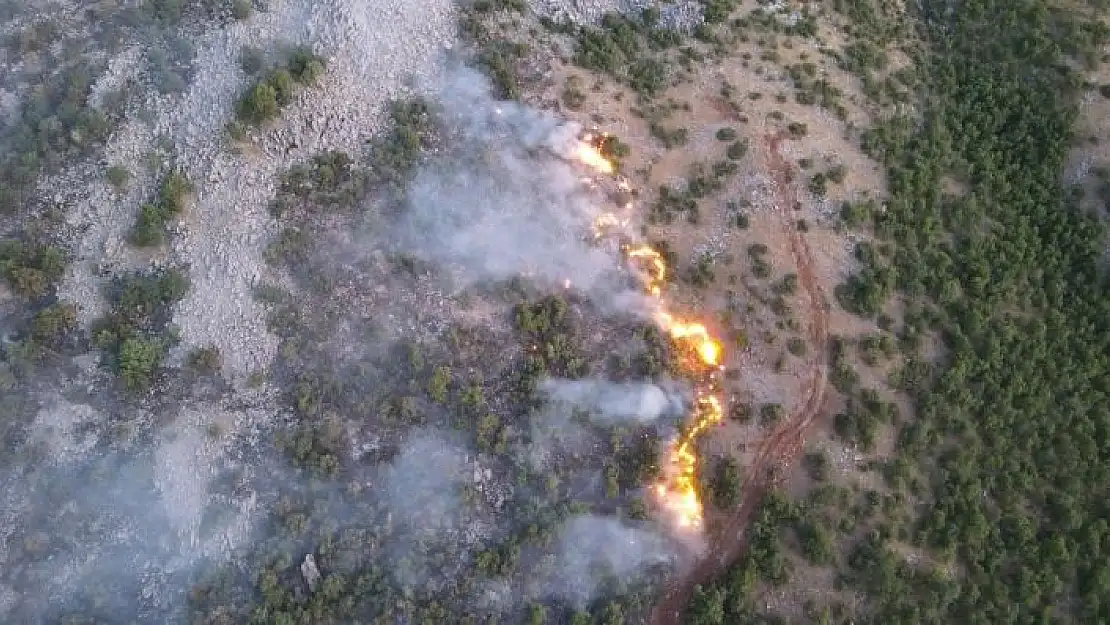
{"type": "Point", "coordinates": [310, 572]}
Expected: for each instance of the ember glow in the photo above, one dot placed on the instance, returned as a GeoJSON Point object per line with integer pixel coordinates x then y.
{"type": "Point", "coordinates": [652, 264]}
{"type": "Point", "coordinates": [589, 153]}
{"type": "Point", "coordinates": [677, 491]}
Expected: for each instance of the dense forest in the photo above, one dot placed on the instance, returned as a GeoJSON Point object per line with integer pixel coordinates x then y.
{"type": "Point", "coordinates": [1001, 474]}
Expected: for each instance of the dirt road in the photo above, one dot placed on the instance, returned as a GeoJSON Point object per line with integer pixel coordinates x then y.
{"type": "Point", "coordinates": [782, 445]}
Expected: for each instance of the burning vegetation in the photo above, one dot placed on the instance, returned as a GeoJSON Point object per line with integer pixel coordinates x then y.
{"type": "Point", "coordinates": [678, 492]}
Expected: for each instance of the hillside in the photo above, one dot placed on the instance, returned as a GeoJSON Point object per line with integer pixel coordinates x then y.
{"type": "Point", "coordinates": [511, 311]}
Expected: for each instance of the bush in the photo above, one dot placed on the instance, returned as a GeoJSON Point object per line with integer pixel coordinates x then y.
{"type": "Point", "coordinates": [796, 346]}
{"type": "Point", "coordinates": [622, 47]}
{"type": "Point", "coordinates": [499, 60]}
{"type": "Point", "coordinates": [855, 215]}
{"type": "Point", "coordinates": [817, 465]}
{"type": "Point", "coordinates": [241, 9]}
{"type": "Point", "coordinates": [31, 270]}
{"type": "Point", "coordinates": [139, 358]}
{"type": "Point", "coordinates": [648, 76]}
{"type": "Point", "coordinates": [573, 97]}
{"type": "Point", "coordinates": [741, 412]}
{"type": "Point", "coordinates": [259, 105]}
{"type": "Point", "coordinates": [726, 134]}
{"type": "Point", "coordinates": [818, 184]}
{"type": "Point", "coordinates": [737, 150]}
{"type": "Point", "coordinates": [118, 176]}
{"type": "Point", "coordinates": [204, 360]}
{"type": "Point", "coordinates": [252, 60]}
{"type": "Point", "coordinates": [787, 286]}
{"type": "Point", "coordinates": [670, 137]}
{"type": "Point", "coordinates": [133, 331]}
{"type": "Point", "coordinates": [770, 414]}
{"type": "Point", "coordinates": [264, 100]}
{"type": "Point", "coordinates": [51, 324]}
{"type": "Point", "coordinates": [150, 227]}
{"type": "Point", "coordinates": [727, 483]}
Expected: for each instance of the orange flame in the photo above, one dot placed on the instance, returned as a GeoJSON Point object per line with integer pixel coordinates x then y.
{"type": "Point", "coordinates": [656, 267]}
{"type": "Point", "coordinates": [590, 155]}
{"type": "Point", "coordinates": [678, 490]}
{"type": "Point", "coordinates": [708, 348]}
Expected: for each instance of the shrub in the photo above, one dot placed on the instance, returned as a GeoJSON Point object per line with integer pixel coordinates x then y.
{"type": "Point", "coordinates": [770, 414]}
{"type": "Point", "coordinates": [204, 360]}
{"type": "Point", "coordinates": [133, 331]}
{"type": "Point", "coordinates": [818, 184]}
{"type": "Point", "coordinates": [241, 9]}
{"type": "Point", "coordinates": [252, 60]}
{"type": "Point", "coordinates": [788, 285]}
{"type": "Point", "coordinates": [30, 269]}
{"type": "Point", "coordinates": [139, 358]}
{"type": "Point", "coordinates": [264, 100]}
{"type": "Point", "coordinates": [573, 97]}
{"type": "Point", "coordinates": [51, 324]}
{"type": "Point", "coordinates": [648, 76]}
{"type": "Point", "coordinates": [118, 176]}
{"type": "Point", "coordinates": [259, 105]}
{"type": "Point", "coordinates": [737, 150]}
{"type": "Point", "coordinates": [796, 346]}
{"type": "Point", "coordinates": [726, 483]}
{"type": "Point", "coordinates": [499, 60]}
{"type": "Point", "coordinates": [150, 227]}
{"type": "Point", "coordinates": [817, 465]}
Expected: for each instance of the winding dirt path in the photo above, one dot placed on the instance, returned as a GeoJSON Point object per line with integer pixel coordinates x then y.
{"type": "Point", "coordinates": [783, 444]}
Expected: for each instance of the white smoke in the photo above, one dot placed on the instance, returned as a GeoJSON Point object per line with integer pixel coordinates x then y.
{"type": "Point", "coordinates": [595, 549]}
{"type": "Point", "coordinates": [504, 199]}
{"type": "Point", "coordinates": [617, 401]}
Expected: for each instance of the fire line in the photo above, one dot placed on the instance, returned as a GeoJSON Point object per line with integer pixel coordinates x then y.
{"type": "Point", "coordinates": [677, 490]}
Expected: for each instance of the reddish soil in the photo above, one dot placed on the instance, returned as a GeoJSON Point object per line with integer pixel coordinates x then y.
{"type": "Point", "coordinates": [783, 445]}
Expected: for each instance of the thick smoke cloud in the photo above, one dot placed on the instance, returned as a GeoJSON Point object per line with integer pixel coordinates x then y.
{"type": "Point", "coordinates": [422, 490]}
{"type": "Point", "coordinates": [130, 525]}
{"type": "Point", "coordinates": [618, 401]}
{"type": "Point", "coordinates": [503, 200]}
{"type": "Point", "coordinates": [500, 201]}
{"type": "Point", "coordinates": [594, 551]}
{"type": "Point", "coordinates": [423, 485]}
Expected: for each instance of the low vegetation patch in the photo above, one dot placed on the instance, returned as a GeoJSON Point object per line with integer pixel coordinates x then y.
{"type": "Point", "coordinates": [154, 217]}
{"type": "Point", "coordinates": [134, 333]}
{"type": "Point", "coordinates": [31, 269]}
{"type": "Point", "coordinates": [264, 101]}
{"type": "Point", "coordinates": [629, 48]}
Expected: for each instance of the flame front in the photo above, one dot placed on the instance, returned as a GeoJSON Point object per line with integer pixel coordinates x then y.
{"type": "Point", "coordinates": [677, 491]}
{"type": "Point", "coordinates": [653, 265]}
{"type": "Point", "coordinates": [589, 153]}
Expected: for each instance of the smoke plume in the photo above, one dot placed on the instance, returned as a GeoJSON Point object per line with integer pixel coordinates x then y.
{"type": "Point", "coordinates": [503, 200]}
{"type": "Point", "coordinates": [640, 402]}
{"type": "Point", "coordinates": [595, 551]}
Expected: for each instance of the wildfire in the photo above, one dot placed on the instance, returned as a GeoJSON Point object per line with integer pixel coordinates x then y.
{"type": "Point", "coordinates": [589, 153]}
{"type": "Point", "coordinates": [654, 265]}
{"type": "Point", "coordinates": [707, 347]}
{"type": "Point", "coordinates": [606, 222]}
{"type": "Point", "coordinates": [677, 492]}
